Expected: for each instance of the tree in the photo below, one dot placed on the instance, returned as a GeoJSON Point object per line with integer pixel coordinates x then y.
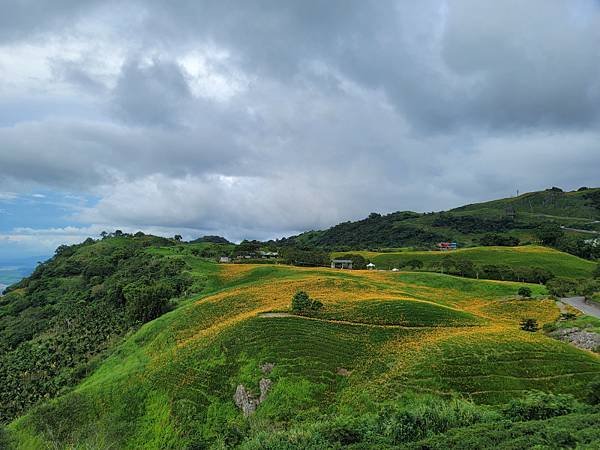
{"type": "Point", "coordinates": [103, 234]}
{"type": "Point", "coordinates": [549, 233]}
{"type": "Point", "coordinates": [529, 325]}
{"type": "Point", "coordinates": [447, 264]}
{"type": "Point", "coordinates": [177, 237]}
{"type": "Point", "coordinates": [301, 303]}
{"type": "Point", "coordinates": [144, 303]}
{"type": "Point", "coordinates": [465, 267]}
{"type": "Point", "coordinates": [561, 286]}
{"type": "Point", "coordinates": [499, 239]}
{"type": "Point", "coordinates": [524, 291]}
{"type": "Point", "coordinates": [415, 264]}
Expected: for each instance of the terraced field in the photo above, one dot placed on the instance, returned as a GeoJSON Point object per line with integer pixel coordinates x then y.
{"type": "Point", "coordinates": [379, 336]}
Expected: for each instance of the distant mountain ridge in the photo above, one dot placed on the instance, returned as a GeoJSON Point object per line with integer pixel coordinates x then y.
{"type": "Point", "coordinates": [516, 216]}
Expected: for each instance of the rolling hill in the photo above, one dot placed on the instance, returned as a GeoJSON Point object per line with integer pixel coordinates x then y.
{"type": "Point", "coordinates": [516, 216]}
{"type": "Point", "coordinates": [560, 264]}
{"type": "Point", "coordinates": [391, 360]}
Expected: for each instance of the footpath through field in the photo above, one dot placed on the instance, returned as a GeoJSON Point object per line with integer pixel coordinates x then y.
{"type": "Point", "coordinates": [579, 302]}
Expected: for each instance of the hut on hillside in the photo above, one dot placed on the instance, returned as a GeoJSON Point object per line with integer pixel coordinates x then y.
{"type": "Point", "coordinates": [341, 264]}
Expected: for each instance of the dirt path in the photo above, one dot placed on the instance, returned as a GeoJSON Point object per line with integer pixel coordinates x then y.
{"type": "Point", "coordinates": [579, 303]}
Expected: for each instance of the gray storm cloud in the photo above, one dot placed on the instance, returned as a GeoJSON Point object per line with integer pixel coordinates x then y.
{"type": "Point", "coordinates": [268, 117]}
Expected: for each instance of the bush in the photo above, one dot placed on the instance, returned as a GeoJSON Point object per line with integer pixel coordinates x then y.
{"type": "Point", "coordinates": [540, 406]}
{"type": "Point", "coordinates": [593, 392]}
{"type": "Point", "coordinates": [524, 291]}
{"type": "Point", "coordinates": [426, 416]}
{"type": "Point", "coordinates": [415, 264]}
{"type": "Point", "coordinates": [529, 325]}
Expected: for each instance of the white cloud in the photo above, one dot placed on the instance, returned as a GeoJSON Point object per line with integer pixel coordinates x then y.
{"type": "Point", "coordinates": [257, 122]}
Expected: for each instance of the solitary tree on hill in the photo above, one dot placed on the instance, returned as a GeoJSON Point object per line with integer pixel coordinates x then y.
{"type": "Point", "coordinates": [524, 291]}
{"type": "Point", "coordinates": [301, 303]}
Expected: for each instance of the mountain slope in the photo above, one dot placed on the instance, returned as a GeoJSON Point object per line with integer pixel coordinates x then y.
{"type": "Point", "coordinates": [517, 216]}
{"type": "Point", "coordinates": [353, 367]}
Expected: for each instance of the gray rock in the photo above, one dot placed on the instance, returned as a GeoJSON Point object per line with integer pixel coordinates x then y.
{"type": "Point", "coordinates": [267, 367]}
{"type": "Point", "coordinates": [586, 340]}
{"type": "Point", "coordinates": [246, 401]}
{"type": "Point", "coordinates": [265, 386]}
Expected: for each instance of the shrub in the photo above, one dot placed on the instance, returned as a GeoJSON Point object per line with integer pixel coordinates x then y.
{"type": "Point", "coordinates": [593, 392]}
{"type": "Point", "coordinates": [524, 291]}
{"type": "Point", "coordinates": [426, 416]}
{"type": "Point", "coordinates": [540, 406]}
{"type": "Point", "coordinates": [568, 316]}
{"type": "Point", "coordinates": [529, 325]}
{"type": "Point", "coordinates": [415, 264]}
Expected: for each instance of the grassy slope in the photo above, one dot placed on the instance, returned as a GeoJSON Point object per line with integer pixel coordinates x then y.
{"type": "Point", "coordinates": [571, 209]}
{"type": "Point", "coordinates": [171, 384]}
{"type": "Point", "coordinates": [559, 263]}
{"type": "Point", "coordinates": [559, 205]}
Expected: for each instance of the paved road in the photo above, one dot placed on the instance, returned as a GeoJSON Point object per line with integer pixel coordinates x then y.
{"type": "Point", "coordinates": [579, 302]}
{"type": "Point", "coordinates": [580, 230]}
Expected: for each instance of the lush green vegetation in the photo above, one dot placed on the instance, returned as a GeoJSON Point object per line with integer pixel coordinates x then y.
{"type": "Point", "coordinates": [502, 260]}
{"type": "Point", "coordinates": [354, 372]}
{"type": "Point", "coordinates": [56, 324]}
{"type": "Point", "coordinates": [499, 222]}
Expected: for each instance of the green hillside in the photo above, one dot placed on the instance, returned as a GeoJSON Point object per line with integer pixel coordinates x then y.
{"type": "Point", "coordinates": [560, 264]}
{"type": "Point", "coordinates": [391, 359]}
{"type": "Point", "coordinates": [517, 217]}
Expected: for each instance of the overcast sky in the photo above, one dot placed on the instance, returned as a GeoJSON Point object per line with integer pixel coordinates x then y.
{"type": "Point", "coordinates": [259, 119]}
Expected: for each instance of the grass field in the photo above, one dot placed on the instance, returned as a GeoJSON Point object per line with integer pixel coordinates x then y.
{"type": "Point", "coordinates": [171, 384]}
{"type": "Point", "coordinates": [559, 263]}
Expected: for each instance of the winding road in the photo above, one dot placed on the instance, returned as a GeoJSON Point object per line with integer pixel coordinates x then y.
{"type": "Point", "coordinates": [579, 303]}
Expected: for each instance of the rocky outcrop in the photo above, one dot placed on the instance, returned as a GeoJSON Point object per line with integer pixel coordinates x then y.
{"type": "Point", "coordinates": [267, 367]}
{"type": "Point", "coordinates": [248, 402]}
{"type": "Point", "coordinates": [586, 340]}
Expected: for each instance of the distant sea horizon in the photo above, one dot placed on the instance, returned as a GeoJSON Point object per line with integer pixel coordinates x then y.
{"type": "Point", "coordinates": [14, 270]}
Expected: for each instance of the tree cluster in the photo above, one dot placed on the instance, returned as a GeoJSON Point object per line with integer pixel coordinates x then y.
{"type": "Point", "coordinates": [310, 258]}
{"type": "Point", "coordinates": [497, 239]}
